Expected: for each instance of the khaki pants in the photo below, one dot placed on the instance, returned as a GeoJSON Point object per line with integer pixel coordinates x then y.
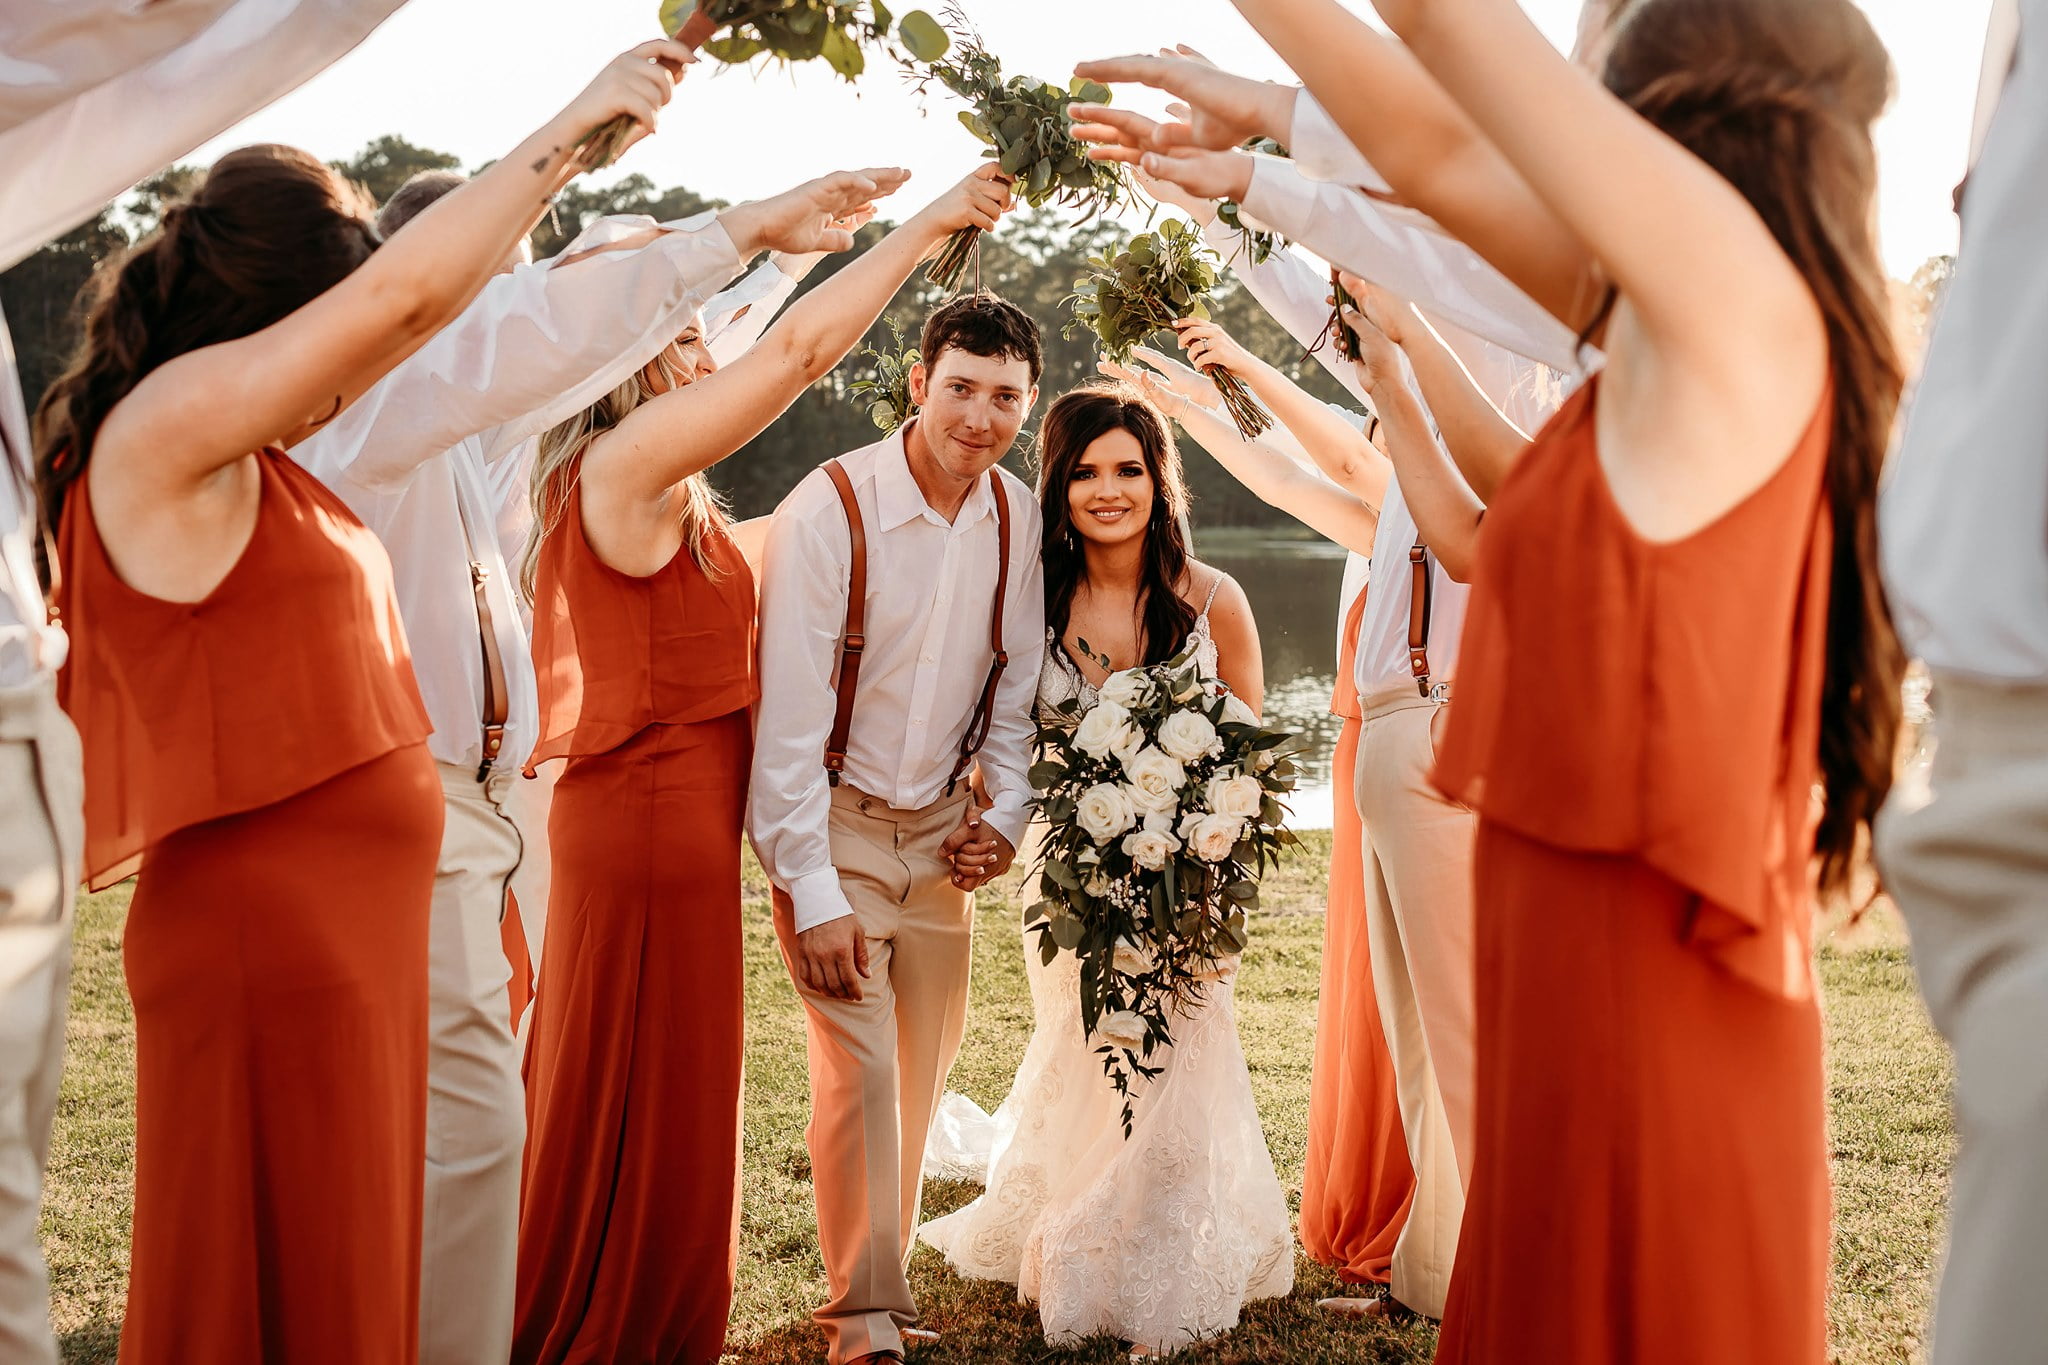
{"type": "Point", "coordinates": [1967, 861]}
{"type": "Point", "coordinates": [42, 834]}
{"type": "Point", "coordinates": [1418, 908]}
{"type": "Point", "coordinates": [878, 1065]}
{"type": "Point", "coordinates": [476, 1106]}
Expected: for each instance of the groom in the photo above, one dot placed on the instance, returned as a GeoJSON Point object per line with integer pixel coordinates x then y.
{"type": "Point", "coordinates": [890, 578]}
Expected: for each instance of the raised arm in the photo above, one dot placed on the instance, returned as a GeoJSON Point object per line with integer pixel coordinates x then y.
{"type": "Point", "coordinates": [1273, 477]}
{"type": "Point", "coordinates": [663, 442]}
{"type": "Point", "coordinates": [1446, 510]}
{"type": "Point", "coordinates": [210, 407]}
{"type": "Point", "coordinates": [1339, 449]}
{"type": "Point", "coordinates": [1482, 442]}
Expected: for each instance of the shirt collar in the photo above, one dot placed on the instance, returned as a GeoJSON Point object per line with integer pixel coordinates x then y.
{"type": "Point", "coordinates": [898, 499]}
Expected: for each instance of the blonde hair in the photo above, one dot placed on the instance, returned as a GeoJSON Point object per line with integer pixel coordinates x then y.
{"type": "Point", "coordinates": [562, 446]}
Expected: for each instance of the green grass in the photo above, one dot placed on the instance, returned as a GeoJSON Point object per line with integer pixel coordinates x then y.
{"type": "Point", "coordinates": [1890, 1129]}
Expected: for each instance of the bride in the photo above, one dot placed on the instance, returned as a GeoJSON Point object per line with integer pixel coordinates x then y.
{"type": "Point", "coordinates": [1161, 1238]}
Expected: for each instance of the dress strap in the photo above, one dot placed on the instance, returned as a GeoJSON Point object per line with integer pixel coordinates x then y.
{"type": "Point", "coordinates": [1210, 600]}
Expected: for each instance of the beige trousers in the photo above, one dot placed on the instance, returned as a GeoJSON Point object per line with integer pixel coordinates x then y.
{"type": "Point", "coordinates": [42, 835]}
{"type": "Point", "coordinates": [878, 1066]}
{"type": "Point", "coordinates": [1418, 908]}
{"type": "Point", "coordinates": [1967, 862]}
{"type": "Point", "coordinates": [476, 1106]}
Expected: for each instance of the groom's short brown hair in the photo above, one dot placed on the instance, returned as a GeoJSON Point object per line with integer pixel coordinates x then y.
{"type": "Point", "coordinates": [985, 325]}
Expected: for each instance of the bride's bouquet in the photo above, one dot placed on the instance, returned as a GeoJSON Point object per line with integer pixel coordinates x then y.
{"type": "Point", "coordinates": [1164, 802]}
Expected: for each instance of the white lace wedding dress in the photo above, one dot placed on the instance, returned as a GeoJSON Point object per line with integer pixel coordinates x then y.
{"type": "Point", "coordinates": [1159, 1239]}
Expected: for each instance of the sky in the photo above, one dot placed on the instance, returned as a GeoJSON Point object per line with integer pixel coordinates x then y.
{"type": "Point", "coordinates": [437, 75]}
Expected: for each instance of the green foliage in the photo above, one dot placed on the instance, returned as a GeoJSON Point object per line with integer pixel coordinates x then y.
{"type": "Point", "coordinates": [388, 162]}
{"type": "Point", "coordinates": [1143, 290]}
{"type": "Point", "coordinates": [1257, 245]}
{"type": "Point", "coordinates": [1025, 126]}
{"type": "Point", "coordinates": [885, 388]}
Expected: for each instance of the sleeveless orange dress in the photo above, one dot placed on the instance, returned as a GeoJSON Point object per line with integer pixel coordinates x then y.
{"type": "Point", "coordinates": [629, 1229]}
{"type": "Point", "coordinates": [1650, 1184]}
{"type": "Point", "coordinates": [1356, 1184]}
{"type": "Point", "coordinates": [261, 754]}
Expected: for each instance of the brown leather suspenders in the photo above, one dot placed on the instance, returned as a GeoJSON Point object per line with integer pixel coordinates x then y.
{"type": "Point", "coordinates": [1419, 599]}
{"type": "Point", "coordinates": [853, 639]}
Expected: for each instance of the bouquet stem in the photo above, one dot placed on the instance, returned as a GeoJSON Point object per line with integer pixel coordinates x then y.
{"type": "Point", "coordinates": [1340, 331]}
{"type": "Point", "coordinates": [951, 265]}
{"type": "Point", "coordinates": [602, 146]}
{"type": "Point", "coordinates": [1244, 409]}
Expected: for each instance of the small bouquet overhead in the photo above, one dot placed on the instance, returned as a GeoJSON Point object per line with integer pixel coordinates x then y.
{"type": "Point", "coordinates": [1024, 125]}
{"type": "Point", "coordinates": [884, 388]}
{"type": "Point", "coordinates": [736, 31]}
{"type": "Point", "coordinates": [1156, 280]}
{"type": "Point", "coordinates": [1164, 807]}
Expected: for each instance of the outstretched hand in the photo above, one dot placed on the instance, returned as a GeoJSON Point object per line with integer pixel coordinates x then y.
{"type": "Point", "coordinates": [1222, 111]}
{"type": "Point", "coordinates": [1208, 344]}
{"type": "Point", "coordinates": [818, 215]}
{"type": "Point", "coordinates": [1381, 322]}
{"type": "Point", "coordinates": [634, 85]}
{"type": "Point", "coordinates": [1188, 178]}
{"type": "Point", "coordinates": [978, 201]}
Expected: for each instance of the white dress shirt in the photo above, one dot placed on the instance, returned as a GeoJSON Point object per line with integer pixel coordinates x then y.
{"type": "Point", "coordinates": [98, 94]}
{"type": "Point", "coordinates": [930, 589]}
{"type": "Point", "coordinates": [413, 456]}
{"type": "Point", "coordinates": [1313, 199]}
{"type": "Point", "coordinates": [28, 644]}
{"type": "Point", "coordinates": [1964, 520]}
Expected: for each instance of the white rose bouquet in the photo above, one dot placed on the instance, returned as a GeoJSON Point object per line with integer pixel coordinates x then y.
{"type": "Point", "coordinates": [1164, 800]}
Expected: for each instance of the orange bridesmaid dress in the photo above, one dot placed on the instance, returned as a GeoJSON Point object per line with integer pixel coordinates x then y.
{"type": "Point", "coordinates": [261, 755]}
{"type": "Point", "coordinates": [1356, 1184]}
{"type": "Point", "coordinates": [1650, 1185]}
{"type": "Point", "coordinates": [629, 1228]}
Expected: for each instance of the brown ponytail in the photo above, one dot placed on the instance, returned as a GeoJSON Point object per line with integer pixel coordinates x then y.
{"type": "Point", "coordinates": [1779, 96]}
{"type": "Point", "coordinates": [269, 229]}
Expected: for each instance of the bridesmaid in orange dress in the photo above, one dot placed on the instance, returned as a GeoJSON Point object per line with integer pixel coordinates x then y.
{"type": "Point", "coordinates": [644, 645]}
{"type": "Point", "coordinates": [254, 740]}
{"type": "Point", "coordinates": [1677, 588]}
{"type": "Point", "coordinates": [1356, 1183]}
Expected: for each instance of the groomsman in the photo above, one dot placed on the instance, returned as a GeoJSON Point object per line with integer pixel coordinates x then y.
{"type": "Point", "coordinates": [420, 458]}
{"type": "Point", "coordinates": [87, 107]}
{"type": "Point", "coordinates": [873, 711]}
{"type": "Point", "coordinates": [1966, 563]}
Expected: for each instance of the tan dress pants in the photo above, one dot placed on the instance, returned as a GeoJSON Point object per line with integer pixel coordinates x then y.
{"type": "Point", "coordinates": [42, 835]}
{"type": "Point", "coordinates": [878, 1065]}
{"type": "Point", "coordinates": [1418, 907]}
{"type": "Point", "coordinates": [1967, 862]}
{"type": "Point", "coordinates": [476, 1105]}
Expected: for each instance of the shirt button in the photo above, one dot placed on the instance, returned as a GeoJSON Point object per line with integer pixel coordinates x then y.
{"type": "Point", "coordinates": [917, 721]}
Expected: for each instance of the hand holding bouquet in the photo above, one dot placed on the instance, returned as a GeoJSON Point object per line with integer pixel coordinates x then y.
{"type": "Point", "coordinates": [1153, 283]}
{"type": "Point", "coordinates": [734, 31]}
{"type": "Point", "coordinates": [1024, 126]}
{"type": "Point", "coordinates": [1164, 806]}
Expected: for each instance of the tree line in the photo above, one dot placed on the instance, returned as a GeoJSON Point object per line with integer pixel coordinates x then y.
{"type": "Point", "coordinates": [1033, 261]}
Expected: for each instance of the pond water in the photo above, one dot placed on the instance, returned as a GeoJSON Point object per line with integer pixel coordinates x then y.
{"type": "Point", "coordinates": [1293, 586]}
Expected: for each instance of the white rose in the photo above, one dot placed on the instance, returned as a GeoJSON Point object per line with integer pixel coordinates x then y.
{"type": "Point", "coordinates": [1105, 812]}
{"type": "Point", "coordinates": [1187, 736]}
{"type": "Point", "coordinates": [1159, 776]}
{"type": "Point", "coordinates": [1127, 689]}
{"type": "Point", "coordinates": [1237, 796]}
{"type": "Point", "coordinates": [1097, 885]}
{"type": "Point", "coordinates": [1121, 1028]}
{"type": "Point", "coordinates": [1158, 821]}
{"type": "Point", "coordinates": [1130, 959]}
{"type": "Point", "coordinates": [1150, 848]}
{"type": "Point", "coordinates": [1235, 712]}
{"type": "Point", "coordinates": [1146, 801]}
{"type": "Point", "coordinates": [1103, 730]}
{"type": "Point", "coordinates": [1213, 836]}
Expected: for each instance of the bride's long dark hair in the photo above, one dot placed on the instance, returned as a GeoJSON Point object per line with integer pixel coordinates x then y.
{"type": "Point", "coordinates": [1076, 421]}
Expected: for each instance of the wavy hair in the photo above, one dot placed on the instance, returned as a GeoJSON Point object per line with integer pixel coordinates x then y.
{"type": "Point", "coordinates": [1075, 422]}
{"type": "Point", "coordinates": [270, 229]}
{"type": "Point", "coordinates": [556, 468]}
{"type": "Point", "coordinates": [1779, 96]}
